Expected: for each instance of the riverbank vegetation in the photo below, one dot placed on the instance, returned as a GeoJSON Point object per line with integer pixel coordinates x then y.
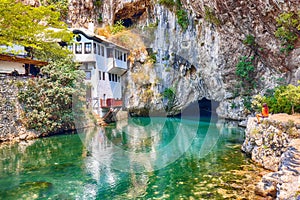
{"type": "Point", "coordinates": [47, 102]}
{"type": "Point", "coordinates": [282, 99]}
{"type": "Point", "coordinates": [288, 26]}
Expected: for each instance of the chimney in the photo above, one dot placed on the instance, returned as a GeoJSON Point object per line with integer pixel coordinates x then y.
{"type": "Point", "coordinates": [91, 26]}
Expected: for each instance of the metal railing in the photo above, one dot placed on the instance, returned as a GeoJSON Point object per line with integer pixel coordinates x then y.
{"type": "Point", "coordinates": [110, 103]}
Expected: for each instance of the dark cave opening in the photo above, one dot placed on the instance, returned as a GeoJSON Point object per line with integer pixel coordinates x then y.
{"type": "Point", "coordinates": [203, 109]}
{"type": "Point", "coordinates": [126, 22]}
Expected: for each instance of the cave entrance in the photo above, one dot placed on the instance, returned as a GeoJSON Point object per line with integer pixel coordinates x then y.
{"type": "Point", "coordinates": [126, 22]}
{"type": "Point", "coordinates": [208, 108]}
{"type": "Point", "coordinates": [204, 109]}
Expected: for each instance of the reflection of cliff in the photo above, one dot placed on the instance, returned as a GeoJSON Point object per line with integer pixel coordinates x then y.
{"type": "Point", "coordinates": [150, 144]}
{"type": "Point", "coordinates": [126, 157]}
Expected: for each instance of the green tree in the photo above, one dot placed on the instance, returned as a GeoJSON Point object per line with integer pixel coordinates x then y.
{"type": "Point", "coordinates": [283, 99]}
{"type": "Point", "coordinates": [288, 24]}
{"type": "Point", "coordinates": [39, 29]}
{"type": "Point", "coordinates": [47, 102]}
{"type": "Point", "coordinates": [292, 94]}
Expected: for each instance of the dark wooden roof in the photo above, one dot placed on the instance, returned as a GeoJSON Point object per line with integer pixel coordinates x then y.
{"type": "Point", "coordinates": [17, 59]}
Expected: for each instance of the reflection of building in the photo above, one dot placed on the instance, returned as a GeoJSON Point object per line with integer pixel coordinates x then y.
{"type": "Point", "coordinates": [16, 60]}
{"type": "Point", "coordinates": [104, 64]}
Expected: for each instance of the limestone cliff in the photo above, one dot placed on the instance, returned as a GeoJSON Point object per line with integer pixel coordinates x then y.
{"type": "Point", "coordinates": [274, 144]}
{"type": "Point", "coordinates": [198, 60]}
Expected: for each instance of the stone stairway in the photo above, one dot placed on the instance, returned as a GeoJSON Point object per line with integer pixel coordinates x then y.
{"type": "Point", "coordinates": [100, 120]}
{"type": "Point", "coordinates": [285, 183]}
{"type": "Point", "coordinates": [289, 172]}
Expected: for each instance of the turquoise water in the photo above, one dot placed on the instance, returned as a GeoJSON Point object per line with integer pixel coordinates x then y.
{"type": "Point", "coordinates": [144, 158]}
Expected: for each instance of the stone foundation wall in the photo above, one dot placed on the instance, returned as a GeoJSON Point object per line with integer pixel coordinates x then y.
{"type": "Point", "coordinates": [11, 128]}
{"type": "Point", "coordinates": [9, 115]}
{"type": "Point", "coordinates": [276, 146]}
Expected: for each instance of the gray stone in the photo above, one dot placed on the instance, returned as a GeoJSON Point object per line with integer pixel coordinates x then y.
{"type": "Point", "coordinates": [274, 150]}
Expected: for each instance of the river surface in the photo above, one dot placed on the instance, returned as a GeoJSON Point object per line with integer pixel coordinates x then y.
{"type": "Point", "coordinates": [142, 158]}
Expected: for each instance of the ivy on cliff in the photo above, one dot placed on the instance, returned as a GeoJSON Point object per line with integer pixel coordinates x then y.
{"type": "Point", "coordinates": [170, 95]}
{"type": "Point", "coordinates": [288, 26]}
{"type": "Point", "coordinates": [246, 83]}
{"type": "Point", "coordinates": [47, 102]}
{"type": "Point", "coordinates": [245, 75]}
{"type": "Point", "coordinates": [61, 6]}
{"type": "Point", "coordinates": [181, 14]}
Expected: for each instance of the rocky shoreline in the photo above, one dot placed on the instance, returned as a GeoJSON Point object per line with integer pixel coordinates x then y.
{"type": "Point", "coordinates": [275, 145]}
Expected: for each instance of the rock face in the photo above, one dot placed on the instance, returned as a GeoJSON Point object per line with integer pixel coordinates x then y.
{"type": "Point", "coordinates": [275, 145]}
{"type": "Point", "coordinates": [283, 184]}
{"type": "Point", "coordinates": [200, 61]}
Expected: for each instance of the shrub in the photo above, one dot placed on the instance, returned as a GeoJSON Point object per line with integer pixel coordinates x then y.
{"type": "Point", "coordinates": [288, 25]}
{"type": "Point", "coordinates": [181, 14]}
{"type": "Point", "coordinates": [167, 3]}
{"type": "Point", "coordinates": [47, 102]}
{"type": "Point", "coordinates": [100, 19]}
{"type": "Point", "coordinates": [117, 27]}
{"type": "Point", "coordinates": [152, 57]}
{"type": "Point", "coordinates": [246, 83]}
{"type": "Point", "coordinates": [245, 75]}
{"type": "Point", "coordinates": [245, 68]}
{"type": "Point", "coordinates": [98, 3]}
{"type": "Point", "coordinates": [249, 40]}
{"type": "Point", "coordinates": [210, 16]}
{"type": "Point", "coordinates": [182, 18]}
{"type": "Point", "coordinates": [283, 99]}
{"type": "Point", "coordinates": [170, 95]}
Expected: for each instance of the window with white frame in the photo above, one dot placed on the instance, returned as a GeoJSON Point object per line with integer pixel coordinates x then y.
{"type": "Point", "coordinates": [88, 75]}
{"type": "Point", "coordinates": [98, 48]}
{"type": "Point", "coordinates": [87, 48]}
{"type": "Point", "coordinates": [116, 53]}
{"type": "Point", "coordinates": [70, 47]}
{"type": "Point", "coordinates": [120, 55]}
{"type": "Point", "coordinates": [95, 48]}
{"type": "Point", "coordinates": [78, 48]}
{"type": "Point", "coordinates": [102, 50]}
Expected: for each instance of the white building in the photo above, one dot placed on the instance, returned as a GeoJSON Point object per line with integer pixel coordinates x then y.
{"type": "Point", "coordinates": [104, 64]}
{"type": "Point", "coordinates": [16, 59]}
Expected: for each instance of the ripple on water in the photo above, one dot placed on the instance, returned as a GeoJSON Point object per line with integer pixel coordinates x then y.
{"type": "Point", "coordinates": [82, 166]}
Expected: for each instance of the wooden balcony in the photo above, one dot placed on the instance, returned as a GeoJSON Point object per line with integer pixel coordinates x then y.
{"type": "Point", "coordinates": [110, 103]}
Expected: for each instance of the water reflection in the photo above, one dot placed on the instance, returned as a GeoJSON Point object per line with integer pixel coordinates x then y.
{"type": "Point", "coordinates": [156, 158]}
{"type": "Point", "coordinates": [133, 149]}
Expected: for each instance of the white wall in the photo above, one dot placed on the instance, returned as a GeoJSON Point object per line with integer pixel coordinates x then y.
{"type": "Point", "coordinates": [8, 67]}
{"type": "Point", "coordinates": [111, 89]}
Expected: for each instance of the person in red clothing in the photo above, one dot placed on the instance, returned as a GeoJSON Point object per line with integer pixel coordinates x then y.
{"type": "Point", "coordinates": [264, 113]}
